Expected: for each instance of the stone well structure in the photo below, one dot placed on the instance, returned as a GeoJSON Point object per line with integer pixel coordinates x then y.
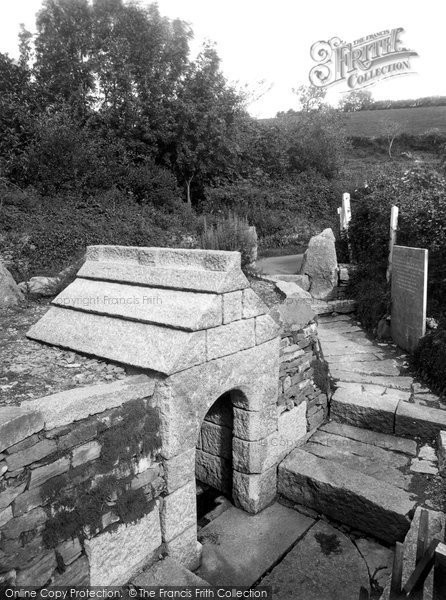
{"type": "Point", "coordinates": [218, 389]}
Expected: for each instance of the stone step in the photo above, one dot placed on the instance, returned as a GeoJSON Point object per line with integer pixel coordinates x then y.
{"type": "Point", "coordinates": [239, 548]}
{"type": "Point", "coordinates": [385, 410]}
{"type": "Point", "coordinates": [368, 406]}
{"type": "Point", "coordinates": [346, 495]}
{"type": "Point", "coordinates": [341, 374]}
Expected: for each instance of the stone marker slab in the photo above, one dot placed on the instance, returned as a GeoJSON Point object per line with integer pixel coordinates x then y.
{"type": "Point", "coordinates": [346, 495]}
{"type": "Point", "coordinates": [409, 296]}
{"type": "Point", "coordinates": [239, 548]}
{"type": "Point", "coordinates": [324, 565]}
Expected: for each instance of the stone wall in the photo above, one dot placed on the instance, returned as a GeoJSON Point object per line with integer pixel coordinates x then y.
{"type": "Point", "coordinates": [302, 405]}
{"type": "Point", "coordinates": [80, 498]}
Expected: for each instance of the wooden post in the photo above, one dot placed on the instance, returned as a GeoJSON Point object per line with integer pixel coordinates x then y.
{"type": "Point", "coordinates": [439, 592]}
{"type": "Point", "coordinates": [422, 546]}
{"type": "Point", "coordinates": [397, 572]}
{"type": "Point", "coordinates": [346, 210]}
{"type": "Point", "coordinates": [392, 239]}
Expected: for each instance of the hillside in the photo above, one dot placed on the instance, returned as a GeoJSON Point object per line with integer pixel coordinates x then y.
{"type": "Point", "coordinates": [369, 123]}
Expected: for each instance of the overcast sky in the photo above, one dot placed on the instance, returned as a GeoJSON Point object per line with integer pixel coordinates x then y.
{"type": "Point", "coordinates": [270, 40]}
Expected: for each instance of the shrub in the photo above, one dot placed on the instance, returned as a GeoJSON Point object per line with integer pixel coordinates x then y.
{"type": "Point", "coordinates": [231, 233]}
{"type": "Point", "coordinates": [430, 357]}
{"type": "Point", "coordinates": [42, 235]}
{"type": "Point", "coordinates": [369, 288]}
{"type": "Point", "coordinates": [420, 194]}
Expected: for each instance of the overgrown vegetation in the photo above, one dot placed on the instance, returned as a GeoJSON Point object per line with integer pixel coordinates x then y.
{"type": "Point", "coordinates": [111, 133]}
{"type": "Point", "coordinates": [80, 498]}
{"type": "Point", "coordinates": [430, 358]}
{"type": "Point", "coordinates": [420, 194]}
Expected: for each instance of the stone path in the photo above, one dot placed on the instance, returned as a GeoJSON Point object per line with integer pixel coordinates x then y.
{"type": "Point", "coordinates": [375, 461]}
{"type": "Point", "coordinates": [238, 548]}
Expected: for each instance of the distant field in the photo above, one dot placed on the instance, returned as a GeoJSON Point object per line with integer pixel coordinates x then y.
{"type": "Point", "coordinates": [369, 123]}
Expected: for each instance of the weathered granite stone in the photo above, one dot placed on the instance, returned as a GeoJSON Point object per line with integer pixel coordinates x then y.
{"type": "Point", "coordinates": [169, 570]}
{"type": "Point", "coordinates": [232, 307]}
{"type": "Point", "coordinates": [364, 406]}
{"type": "Point", "coordinates": [117, 555]}
{"type": "Point", "coordinates": [396, 444]}
{"type": "Point", "coordinates": [42, 474]}
{"type": "Point", "coordinates": [32, 454]}
{"type": "Point", "coordinates": [216, 439]}
{"type": "Point", "coordinates": [185, 398]}
{"type": "Point", "coordinates": [302, 281]}
{"type": "Point", "coordinates": [255, 426]}
{"type": "Point", "coordinates": [166, 307]}
{"type": "Point", "coordinates": [214, 471]}
{"type": "Point", "coordinates": [86, 452]}
{"type": "Point", "coordinates": [10, 293]}
{"type": "Point", "coordinates": [293, 313]}
{"type": "Point", "coordinates": [39, 573]}
{"type": "Point", "coordinates": [253, 306]}
{"type": "Point", "coordinates": [324, 565]}
{"type": "Point", "coordinates": [292, 427]}
{"type": "Point", "coordinates": [321, 265]}
{"type": "Point", "coordinates": [185, 549]}
{"type": "Point", "coordinates": [228, 339]}
{"type": "Point", "coordinates": [178, 512]}
{"type": "Point", "coordinates": [346, 495]}
{"type": "Point", "coordinates": [378, 558]}
{"type": "Point", "coordinates": [414, 420]}
{"type": "Point", "coordinates": [69, 551]}
{"type": "Point", "coordinates": [179, 470]}
{"type": "Point", "coordinates": [266, 329]}
{"type": "Point", "coordinates": [76, 574]}
{"type": "Point", "coordinates": [198, 270]}
{"type": "Point", "coordinates": [24, 445]}
{"type": "Point", "coordinates": [145, 345]}
{"type": "Point", "coordinates": [254, 492]}
{"type": "Point", "coordinates": [423, 466]}
{"type": "Point", "coordinates": [17, 423]}
{"type": "Point", "coordinates": [69, 406]}
{"type": "Point", "coordinates": [145, 477]}
{"type": "Point", "coordinates": [322, 307]}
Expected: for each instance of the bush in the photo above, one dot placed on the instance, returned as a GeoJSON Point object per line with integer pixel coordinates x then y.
{"type": "Point", "coordinates": [430, 357]}
{"type": "Point", "coordinates": [231, 233]}
{"type": "Point", "coordinates": [42, 235]}
{"type": "Point", "coordinates": [420, 194]}
{"type": "Point", "coordinates": [369, 287]}
{"type": "Point", "coordinates": [292, 208]}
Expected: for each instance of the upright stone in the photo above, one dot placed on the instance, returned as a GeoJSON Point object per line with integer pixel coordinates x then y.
{"type": "Point", "coordinates": [321, 265]}
{"type": "Point", "coordinates": [409, 296]}
{"type": "Point", "coordinates": [10, 293]}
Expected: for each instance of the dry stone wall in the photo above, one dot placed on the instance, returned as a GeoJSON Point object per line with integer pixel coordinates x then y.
{"type": "Point", "coordinates": [81, 486]}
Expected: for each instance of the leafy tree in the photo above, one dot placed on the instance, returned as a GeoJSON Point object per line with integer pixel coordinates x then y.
{"type": "Point", "coordinates": [356, 100]}
{"type": "Point", "coordinates": [310, 97]}
{"type": "Point", "coordinates": [205, 122]}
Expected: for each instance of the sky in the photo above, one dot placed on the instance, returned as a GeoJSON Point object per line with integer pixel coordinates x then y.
{"type": "Point", "coordinates": [266, 44]}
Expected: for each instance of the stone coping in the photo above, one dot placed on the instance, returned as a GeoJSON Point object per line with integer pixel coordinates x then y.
{"type": "Point", "coordinates": [64, 408]}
